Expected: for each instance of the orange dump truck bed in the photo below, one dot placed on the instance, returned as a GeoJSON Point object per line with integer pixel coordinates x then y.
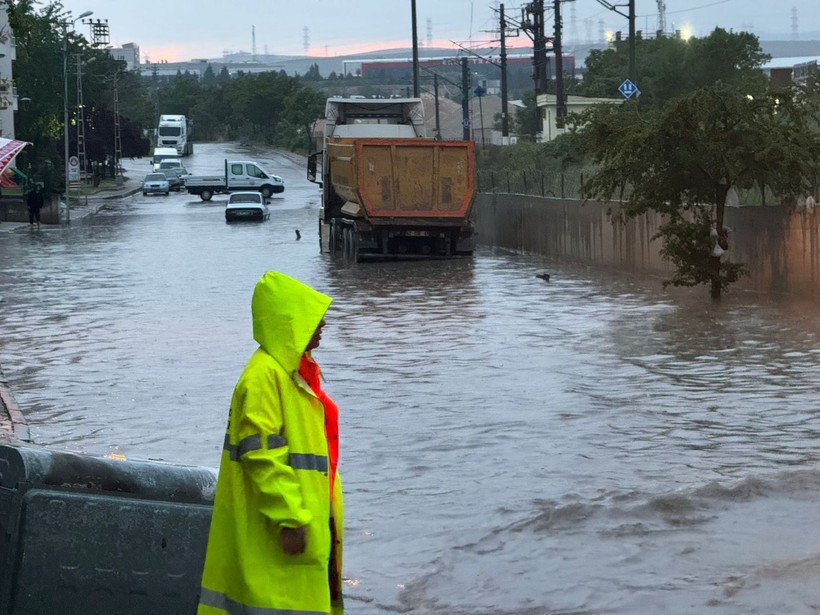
{"type": "Point", "coordinates": [404, 178]}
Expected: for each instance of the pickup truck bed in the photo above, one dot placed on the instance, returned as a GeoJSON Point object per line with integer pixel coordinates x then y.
{"type": "Point", "coordinates": [239, 175]}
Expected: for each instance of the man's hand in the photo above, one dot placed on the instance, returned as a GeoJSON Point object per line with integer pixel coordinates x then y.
{"type": "Point", "coordinates": [293, 540]}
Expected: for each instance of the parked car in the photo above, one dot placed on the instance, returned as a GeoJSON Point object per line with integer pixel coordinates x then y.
{"type": "Point", "coordinates": [168, 163]}
{"type": "Point", "coordinates": [176, 177]}
{"type": "Point", "coordinates": [246, 206]}
{"type": "Point", "coordinates": [155, 183]}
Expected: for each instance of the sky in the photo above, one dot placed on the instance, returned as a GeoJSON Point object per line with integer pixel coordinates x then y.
{"type": "Point", "coordinates": [181, 30]}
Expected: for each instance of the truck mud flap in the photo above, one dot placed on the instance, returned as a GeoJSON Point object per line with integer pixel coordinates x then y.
{"type": "Point", "coordinates": [92, 535]}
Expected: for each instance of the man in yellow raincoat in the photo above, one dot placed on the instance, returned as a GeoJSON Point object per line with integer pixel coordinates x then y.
{"type": "Point", "coordinates": [275, 544]}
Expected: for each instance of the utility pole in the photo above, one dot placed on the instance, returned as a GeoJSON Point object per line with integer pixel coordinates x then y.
{"type": "Point", "coordinates": [630, 15]}
{"type": "Point", "coordinates": [505, 124]}
{"type": "Point", "coordinates": [465, 99]}
{"type": "Point", "coordinates": [532, 20]}
{"type": "Point", "coordinates": [117, 137]}
{"type": "Point", "coordinates": [560, 102]}
{"type": "Point", "coordinates": [632, 41]}
{"type": "Point", "coordinates": [80, 117]}
{"type": "Point", "coordinates": [415, 52]}
{"type": "Point", "coordinates": [438, 120]}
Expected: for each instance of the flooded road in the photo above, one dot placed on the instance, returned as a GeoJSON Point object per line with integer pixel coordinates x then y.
{"type": "Point", "coordinates": [509, 445]}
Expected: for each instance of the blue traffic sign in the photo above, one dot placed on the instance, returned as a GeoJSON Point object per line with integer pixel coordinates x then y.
{"type": "Point", "coordinates": [629, 89]}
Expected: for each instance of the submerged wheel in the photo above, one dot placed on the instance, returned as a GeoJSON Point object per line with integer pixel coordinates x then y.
{"type": "Point", "coordinates": [266, 192]}
{"type": "Point", "coordinates": [345, 242]}
{"type": "Point", "coordinates": [350, 252]}
{"type": "Point", "coordinates": [206, 195]}
{"type": "Point", "coordinates": [354, 246]}
{"type": "Point", "coordinates": [333, 238]}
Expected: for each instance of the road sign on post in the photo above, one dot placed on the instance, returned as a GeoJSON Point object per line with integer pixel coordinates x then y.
{"type": "Point", "coordinates": [74, 169]}
{"type": "Point", "coordinates": [629, 89]}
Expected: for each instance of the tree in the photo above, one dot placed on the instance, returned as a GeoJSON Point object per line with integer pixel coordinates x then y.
{"type": "Point", "coordinates": [302, 108]}
{"type": "Point", "coordinates": [313, 73]}
{"type": "Point", "coordinates": [528, 119]}
{"type": "Point", "coordinates": [670, 67]}
{"type": "Point", "coordinates": [683, 160]}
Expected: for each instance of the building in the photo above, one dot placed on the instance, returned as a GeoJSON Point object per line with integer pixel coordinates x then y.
{"type": "Point", "coordinates": [575, 104]}
{"type": "Point", "coordinates": [791, 69]}
{"type": "Point", "coordinates": [128, 53]}
{"type": "Point", "coordinates": [8, 93]}
{"type": "Point", "coordinates": [803, 70]}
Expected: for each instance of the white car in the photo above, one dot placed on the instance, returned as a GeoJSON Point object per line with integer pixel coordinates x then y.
{"type": "Point", "coordinates": [246, 205]}
{"type": "Point", "coordinates": [155, 183]}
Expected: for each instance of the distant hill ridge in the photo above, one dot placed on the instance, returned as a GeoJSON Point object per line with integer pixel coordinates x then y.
{"type": "Point", "coordinates": [327, 65]}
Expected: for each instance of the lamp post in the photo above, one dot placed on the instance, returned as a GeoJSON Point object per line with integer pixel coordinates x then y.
{"type": "Point", "coordinates": [65, 23]}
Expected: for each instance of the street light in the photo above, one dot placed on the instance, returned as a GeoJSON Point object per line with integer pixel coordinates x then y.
{"type": "Point", "coordinates": [65, 23]}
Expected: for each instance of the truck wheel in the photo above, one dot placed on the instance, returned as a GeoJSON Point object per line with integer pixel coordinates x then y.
{"type": "Point", "coordinates": [345, 232]}
{"type": "Point", "coordinates": [206, 195]}
{"type": "Point", "coordinates": [266, 192]}
{"type": "Point", "coordinates": [354, 246]}
{"type": "Point", "coordinates": [333, 238]}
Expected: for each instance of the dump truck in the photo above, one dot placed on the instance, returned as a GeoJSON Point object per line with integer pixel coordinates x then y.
{"type": "Point", "coordinates": [387, 190]}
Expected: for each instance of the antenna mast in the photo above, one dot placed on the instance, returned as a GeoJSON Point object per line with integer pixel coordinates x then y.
{"type": "Point", "coordinates": [661, 17]}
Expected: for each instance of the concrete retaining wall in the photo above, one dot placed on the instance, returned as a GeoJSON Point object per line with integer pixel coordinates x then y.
{"type": "Point", "coordinates": [13, 209]}
{"type": "Point", "coordinates": [780, 247]}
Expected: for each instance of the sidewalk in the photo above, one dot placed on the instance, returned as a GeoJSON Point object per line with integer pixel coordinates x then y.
{"type": "Point", "coordinates": [13, 426]}
{"type": "Point", "coordinates": [88, 203]}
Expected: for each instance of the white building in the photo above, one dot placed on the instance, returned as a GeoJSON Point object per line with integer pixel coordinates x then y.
{"type": "Point", "coordinates": [575, 104]}
{"type": "Point", "coordinates": [8, 93]}
{"type": "Point", "coordinates": [128, 53]}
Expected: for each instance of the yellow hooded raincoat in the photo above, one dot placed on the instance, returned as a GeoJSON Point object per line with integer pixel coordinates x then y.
{"type": "Point", "coordinates": [274, 472]}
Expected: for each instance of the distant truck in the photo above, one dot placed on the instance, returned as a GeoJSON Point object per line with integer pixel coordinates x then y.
{"type": "Point", "coordinates": [238, 175]}
{"type": "Point", "coordinates": [386, 189]}
{"type": "Point", "coordinates": [160, 154]}
{"type": "Point", "coordinates": [176, 131]}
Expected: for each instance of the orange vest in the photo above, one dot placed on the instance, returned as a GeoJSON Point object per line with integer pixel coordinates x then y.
{"type": "Point", "coordinates": [309, 370]}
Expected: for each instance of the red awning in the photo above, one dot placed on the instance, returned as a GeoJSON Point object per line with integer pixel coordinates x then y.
{"type": "Point", "coordinates": [9, 148]}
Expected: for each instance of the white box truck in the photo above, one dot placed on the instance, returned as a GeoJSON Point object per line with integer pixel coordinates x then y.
{"type": "Point", "coordinates": [175, 131]}
{"type": "Point", "coordinates": [160, 154]}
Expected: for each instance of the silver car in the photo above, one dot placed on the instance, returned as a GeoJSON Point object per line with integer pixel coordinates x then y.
{"type": "Point", "coordinates": [155, 183]}
{"type": "Point", "coordinates": [246, 205]}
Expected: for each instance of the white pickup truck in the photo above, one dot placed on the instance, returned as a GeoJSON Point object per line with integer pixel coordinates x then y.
{"type": "Point", "coordinates": [239, 175]}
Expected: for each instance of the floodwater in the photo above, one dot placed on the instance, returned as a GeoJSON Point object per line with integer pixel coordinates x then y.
{"type": "Point", "coordinates": [589, 444]}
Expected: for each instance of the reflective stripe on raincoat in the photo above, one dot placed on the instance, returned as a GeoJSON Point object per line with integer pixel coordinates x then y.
{"type": "Point", "coordinates": [274, 472]}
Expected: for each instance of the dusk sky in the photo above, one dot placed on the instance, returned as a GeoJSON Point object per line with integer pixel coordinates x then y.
{"type": "Point", "coordinates": [176, 30]}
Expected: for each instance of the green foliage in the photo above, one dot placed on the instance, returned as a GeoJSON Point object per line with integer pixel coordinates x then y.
{"type": "Point", "coordinates": [273, 107]}
{"type": "Point", "coordinates": [313, 73]}
{"type": "Point", "coordinates": [528, 120]}
{"type": "Point", "coordinates": [688, 245]}
{"type": "Point", "coordinates": [670, 67]}
{"type": "Point", "coordinates": [682, 161]}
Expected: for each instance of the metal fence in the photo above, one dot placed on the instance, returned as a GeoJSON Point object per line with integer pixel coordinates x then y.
{"type": "Point", "coordinates": [565, 184]}
{"type": "Point", "coordinates": [568, 184]}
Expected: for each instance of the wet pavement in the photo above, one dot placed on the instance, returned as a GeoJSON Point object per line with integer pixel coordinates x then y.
{"type": "Point", "coordinates": [509, 445]}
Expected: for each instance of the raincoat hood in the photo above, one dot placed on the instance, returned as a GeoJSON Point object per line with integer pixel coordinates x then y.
{"type": "Point", "coordinates": [285, 316]}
